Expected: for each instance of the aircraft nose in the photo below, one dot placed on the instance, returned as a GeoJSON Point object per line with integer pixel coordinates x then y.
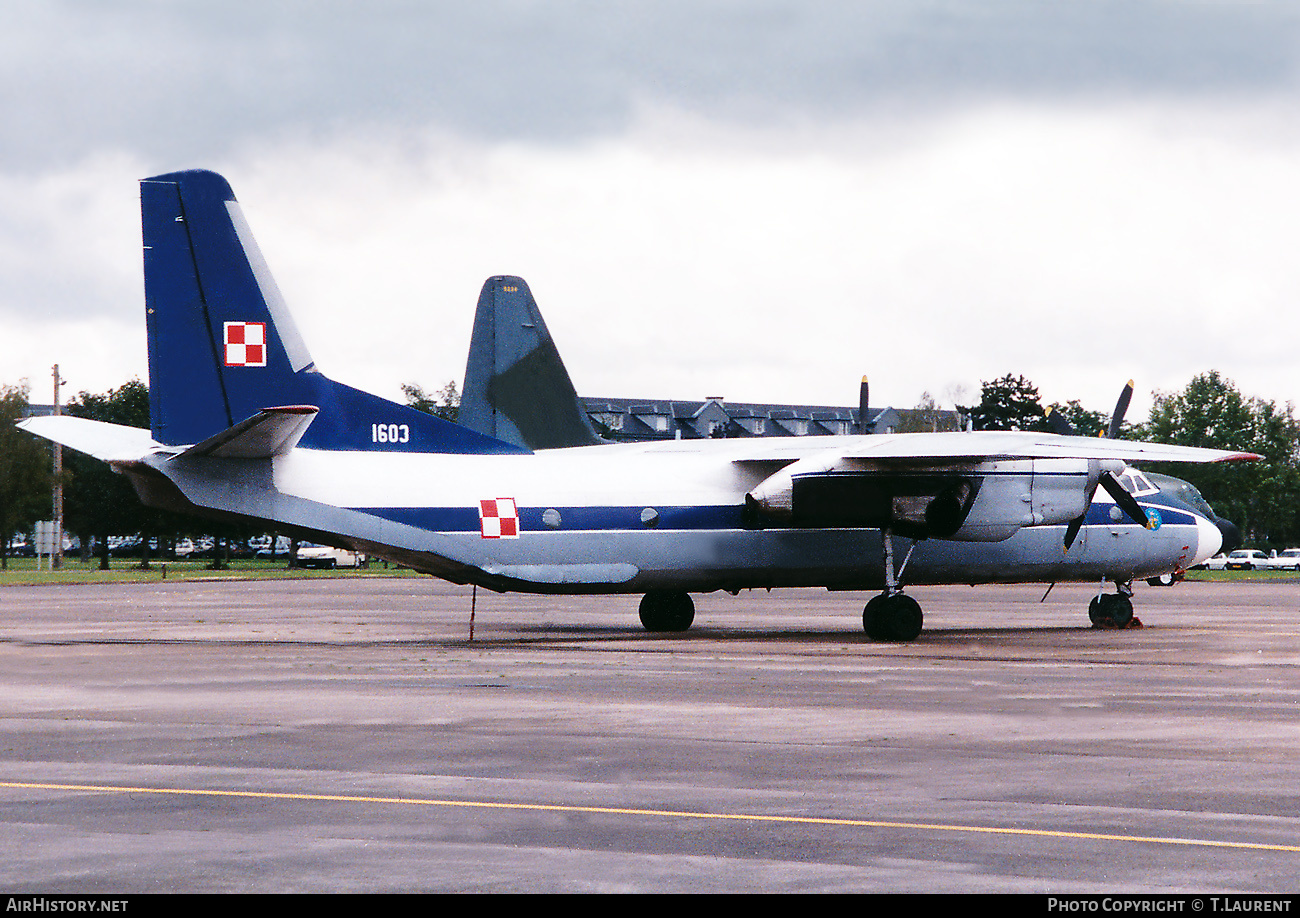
{"type": "Point", "coordinates": [1230, 533]}
{"type": "Point", "coordinates": [1209, 539]}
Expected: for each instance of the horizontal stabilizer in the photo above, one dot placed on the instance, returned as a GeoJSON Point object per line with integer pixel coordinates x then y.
{"type": "Point", "coordinates": [106, 442]}
{"type": "Point", "coordinates": [270, 432]}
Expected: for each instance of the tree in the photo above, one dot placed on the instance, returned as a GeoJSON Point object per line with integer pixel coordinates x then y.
{"type": "Point", "coordinates": [926, 417]}
{"type": "Point", "coordinates": [25, 476]}
{"type": "Point", "coordinates": [1085, 423]}
{"type": "Point", "coordinates": [1262, 498]}
{"type": "Point", "coordinates": [98, 502]}
{"type": "Point", "coordinates": [445, 404]}
{"type": "Point", "coordinates": [1009, 403]}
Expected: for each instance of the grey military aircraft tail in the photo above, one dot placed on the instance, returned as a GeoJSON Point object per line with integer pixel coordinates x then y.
{"type": "Point", "coordinates": [516, 387]}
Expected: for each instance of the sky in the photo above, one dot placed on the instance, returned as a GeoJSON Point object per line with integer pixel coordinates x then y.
{"type": "Point", "coordinates": [761, 200]}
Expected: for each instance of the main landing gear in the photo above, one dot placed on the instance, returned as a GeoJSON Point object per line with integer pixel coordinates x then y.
{"type": "Point", "coordinates": [893, 615]}
{"type": "Point", "coordinates": [667, 610]}
{"type": "Point", "coordinates": [1112, 610]}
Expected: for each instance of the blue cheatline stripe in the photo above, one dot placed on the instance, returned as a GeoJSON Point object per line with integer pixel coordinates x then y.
{"type": "Point", "coordinates": [466, 519]}
{"type": "Point", "coordinates": [613, 519]}
{"type": "Point", "coordinates": [1099, 514]}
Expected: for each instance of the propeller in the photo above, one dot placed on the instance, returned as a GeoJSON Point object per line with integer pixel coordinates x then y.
{"type": "Point", "coordinates": [1121, 407]}
{"type": "Point", "coordinates": [1123, 499]}
{"type": "Point", "coordinates": [1059, 424]}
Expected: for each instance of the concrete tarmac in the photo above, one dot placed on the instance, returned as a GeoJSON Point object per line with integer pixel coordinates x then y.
{"type": "Point", "coordinates": [345, 736]}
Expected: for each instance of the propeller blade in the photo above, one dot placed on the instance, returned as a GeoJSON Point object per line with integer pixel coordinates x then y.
{"type": "Point", "coordinates": [1059, 424]}
{"type": "Point", "coordinates": [862, 406]}
{"type": "Point", "coordinates": [1121, 408]}
{"type": "Point", "coordinates": [1124, 500]}
{"type": "Point", "coordinates": [1072, 530]}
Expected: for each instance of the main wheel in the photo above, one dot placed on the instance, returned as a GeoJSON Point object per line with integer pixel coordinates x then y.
{"type": "Point", "coordinates": [667, 610]}
{"type": "Point", "coordinates": [894, 617]}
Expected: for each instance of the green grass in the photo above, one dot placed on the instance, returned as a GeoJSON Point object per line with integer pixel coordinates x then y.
{"type": "Point", "coordinates": [1243, 575]}
{"type": "Point", "coordinates": [23, 572]}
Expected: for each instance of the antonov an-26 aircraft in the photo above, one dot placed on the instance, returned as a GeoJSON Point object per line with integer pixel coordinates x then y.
{"type": "Point", "coordinates": [245, 426]}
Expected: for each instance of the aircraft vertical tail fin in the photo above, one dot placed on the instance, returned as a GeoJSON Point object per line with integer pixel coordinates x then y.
{"type": "Point", "coordinates": [223, 345]}
{"type": "Point", "coordinates": [516, 387]}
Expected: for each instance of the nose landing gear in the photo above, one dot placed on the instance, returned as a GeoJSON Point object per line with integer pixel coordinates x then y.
{"type": "Point", "coordinates": [1112, 610]}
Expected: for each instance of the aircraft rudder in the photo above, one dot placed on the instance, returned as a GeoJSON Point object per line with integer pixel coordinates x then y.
{"type": "Point", "coordinates": [186, 393]}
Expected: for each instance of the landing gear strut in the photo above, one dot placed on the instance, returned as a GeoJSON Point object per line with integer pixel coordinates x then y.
{"type": "Point", "coordinates": [893, 615]}
{"type": "Point", "coordinates": [1112, 610]}
{"type": "Point", "coordinates": [667, 610]}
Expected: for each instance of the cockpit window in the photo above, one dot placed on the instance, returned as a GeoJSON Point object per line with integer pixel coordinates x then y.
{"type": "Point", "coordinates": [1137, 484]}
{"type": "Point", "coordinates": [1192, 497]}
{"type": "Point", "coordinates": [1185, 492]}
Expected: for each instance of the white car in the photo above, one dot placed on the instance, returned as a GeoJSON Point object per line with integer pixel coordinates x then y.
{"type": "Point", "coordinates": [326, 556]}
{"type": "Point", "coordinates": [1286, 560]}
{"type": "Point", "coordinates": [1246, 559]}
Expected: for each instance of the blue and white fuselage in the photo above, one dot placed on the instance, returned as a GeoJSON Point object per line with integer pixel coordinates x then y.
{"type": "Point", "coordinates": [636, 517]}
{"type": "Point", "coordinates": [245, 426]}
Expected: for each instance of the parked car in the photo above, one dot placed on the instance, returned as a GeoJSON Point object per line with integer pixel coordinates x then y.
{"type": "Point", "coordinates": [269, 549]}
{"type": "Point", "coordinates": [1285, 560]}
{"type": "Point", "coordinates": [1246, 559]}
{"type": "Point", "coordinates": [1166, 580]}
{"type": "Point", "coordinates": [326, 557]}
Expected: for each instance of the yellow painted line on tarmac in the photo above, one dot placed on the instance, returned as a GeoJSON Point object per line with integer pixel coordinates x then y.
{"type": "Point", "coordinates": [663, 814]}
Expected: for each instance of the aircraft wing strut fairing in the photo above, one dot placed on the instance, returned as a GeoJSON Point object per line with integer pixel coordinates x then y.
{"type": "Point", "coordinates": [244, 425]}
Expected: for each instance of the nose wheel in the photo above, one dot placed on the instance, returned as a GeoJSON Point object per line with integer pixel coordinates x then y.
{"type": "Point", "coordinates": [1112, 610]}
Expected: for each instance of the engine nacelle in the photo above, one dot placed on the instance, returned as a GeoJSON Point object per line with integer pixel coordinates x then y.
{"type": "Point", "coordinates": [966, 502]}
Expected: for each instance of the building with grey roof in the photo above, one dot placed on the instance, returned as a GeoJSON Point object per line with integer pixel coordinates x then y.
{"type": "Point", "coordinates": [639, 419]}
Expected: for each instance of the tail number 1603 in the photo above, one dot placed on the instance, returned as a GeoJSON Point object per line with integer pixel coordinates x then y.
{"type": "Point", "coordinates": [390, 433]}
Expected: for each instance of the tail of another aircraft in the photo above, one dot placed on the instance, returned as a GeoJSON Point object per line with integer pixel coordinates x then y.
{"type": "Point", "coordinates": [516, 387]}
{"type": "Point", "coordinates": [223, 346]}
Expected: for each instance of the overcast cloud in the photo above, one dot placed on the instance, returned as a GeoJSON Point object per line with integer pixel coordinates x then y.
{"type": "Point", "coordinates": [757, 199]}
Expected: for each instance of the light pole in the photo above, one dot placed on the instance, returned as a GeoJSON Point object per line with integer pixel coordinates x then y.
{"type": "Point", "coordinates": [56, 559]}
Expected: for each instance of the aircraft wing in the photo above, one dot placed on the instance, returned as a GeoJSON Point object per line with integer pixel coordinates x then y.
{"type": "Point", "coordinates": [981, 446]}
{"type": "Point", "coordinates": [966, 486]}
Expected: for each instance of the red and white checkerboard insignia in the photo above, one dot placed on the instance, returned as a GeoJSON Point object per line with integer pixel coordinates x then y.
{"type": "Point", "coordinates": [498, 518]}
{"type": "Point", "coordinates": [245, 344]}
